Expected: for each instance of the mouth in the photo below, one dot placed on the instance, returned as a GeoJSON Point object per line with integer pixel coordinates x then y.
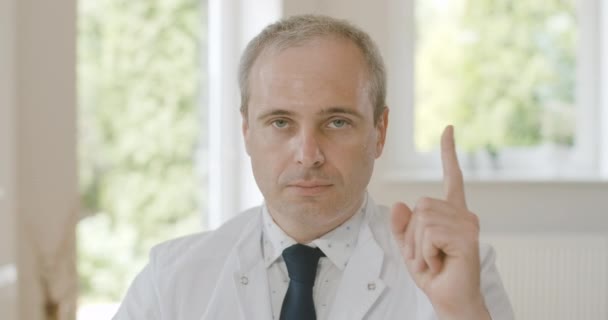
{"type": "Point", "coordinates": [309, 188]}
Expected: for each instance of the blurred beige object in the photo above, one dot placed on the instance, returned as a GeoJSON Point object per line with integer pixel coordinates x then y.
{"type": "Point", "coordinates": [55, 259]}
{"type": "Point", "coordinates": [38, 168]}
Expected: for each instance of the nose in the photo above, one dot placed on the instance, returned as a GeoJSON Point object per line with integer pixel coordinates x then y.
{"type": "Point", "coordinates": [309, 153]}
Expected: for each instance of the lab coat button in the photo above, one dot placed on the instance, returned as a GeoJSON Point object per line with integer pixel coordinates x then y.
{"type": "Point", "coordinates": [371, 286]}
{"type": "Point", "coordinates": [244, 280]}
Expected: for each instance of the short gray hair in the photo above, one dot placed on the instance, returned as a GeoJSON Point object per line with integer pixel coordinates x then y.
{"type": "Point", "coordinates": [295, 30]}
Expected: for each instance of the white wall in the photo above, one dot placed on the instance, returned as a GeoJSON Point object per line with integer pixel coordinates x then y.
{"type": "Point", "coordinates": [47, 186]}
{"type": "Point", "coordinates": [518, 207]}
{"type": "Point", "coordinates": [8, 258]}
{"type": "Point", "coordinates": [37, 157]}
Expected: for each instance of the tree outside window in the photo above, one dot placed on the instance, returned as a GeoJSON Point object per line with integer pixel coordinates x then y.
{"type": "Point", "coordinates": [502, 71]}
{"type": "Point", "coordinates": [142, 137]}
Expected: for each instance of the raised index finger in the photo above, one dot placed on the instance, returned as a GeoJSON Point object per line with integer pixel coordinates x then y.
{"type": "Point", "coordinates": [453, 183]}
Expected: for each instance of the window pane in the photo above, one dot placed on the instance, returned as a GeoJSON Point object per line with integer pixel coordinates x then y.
{"type": "Point", "coordinates": [142, 135]}
{"type": "Point", "coordinates": [501, 71]}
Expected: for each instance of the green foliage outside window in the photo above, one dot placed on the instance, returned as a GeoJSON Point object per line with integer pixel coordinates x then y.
{"type": "Point", "coordinates": [140, 134]}
{"type": "Point", "coordinates": [502, 71]}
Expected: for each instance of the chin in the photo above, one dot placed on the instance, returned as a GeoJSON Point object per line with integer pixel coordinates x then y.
{"type": "Point", "coordinates": [313, 207]}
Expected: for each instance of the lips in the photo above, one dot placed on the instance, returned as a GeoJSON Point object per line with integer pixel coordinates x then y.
{"type": "Point", "coordinates": [309, 184]}
{"type": "Point", "coordinates": [309, 188]}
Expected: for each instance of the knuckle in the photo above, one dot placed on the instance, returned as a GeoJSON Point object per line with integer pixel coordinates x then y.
{"type": "Point", "coordinates": [424, 217]}
{"type": "Point", "coordinates": [424, 203]}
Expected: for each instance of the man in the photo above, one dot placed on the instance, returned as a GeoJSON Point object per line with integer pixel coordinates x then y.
{"type": "Point", "coordinates": [314, 121]}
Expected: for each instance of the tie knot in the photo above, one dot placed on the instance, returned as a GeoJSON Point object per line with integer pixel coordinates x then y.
{"type": "Point", "coordinates": [302, 263]}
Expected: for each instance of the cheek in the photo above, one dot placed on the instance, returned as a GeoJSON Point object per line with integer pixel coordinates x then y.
{"type": "Point", "coordinates": [265, 172]}
{"type": "Point", "coordinates": [268, 158]}
{"type": "Point", "coordinates": [359, 144]}
{"type": "Point", "coordinates": [355, 155]}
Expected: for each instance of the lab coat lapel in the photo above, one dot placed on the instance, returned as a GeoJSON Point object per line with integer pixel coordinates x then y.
{"type": "Point", "coordinates": [361, 284]}
{"type": "Point", "coordinates": [250, 277]}
{"type": "Point", "coordinates": [242, 288]}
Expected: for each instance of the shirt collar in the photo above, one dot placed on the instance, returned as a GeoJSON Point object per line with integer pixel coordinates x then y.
{"type": "Point", "coordinates": [338, 244]}
{"type": "Point", "coordinates": [275, 240]}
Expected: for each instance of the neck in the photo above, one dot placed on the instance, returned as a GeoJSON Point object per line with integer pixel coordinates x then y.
{"type": "Point", "coordinates": [304, 229]}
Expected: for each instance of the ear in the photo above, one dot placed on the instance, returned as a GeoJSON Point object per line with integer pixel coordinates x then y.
{"type": "Point", "coordinates": [381, 126]}
{"type": "Point", "coordinates": [245, 130]}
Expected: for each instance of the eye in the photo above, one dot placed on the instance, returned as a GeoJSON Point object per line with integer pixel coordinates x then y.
{"type": "Point", "coordinates": [279, 123]}
{"type": "Point", "coordinates": [338, 123]}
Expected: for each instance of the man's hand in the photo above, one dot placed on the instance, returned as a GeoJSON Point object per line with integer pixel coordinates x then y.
{"type": "Point", "coordinates": [439, 241]}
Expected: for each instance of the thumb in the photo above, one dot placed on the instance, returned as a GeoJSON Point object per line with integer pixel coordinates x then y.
{"type": "Point", "coordinates": [400, 217]}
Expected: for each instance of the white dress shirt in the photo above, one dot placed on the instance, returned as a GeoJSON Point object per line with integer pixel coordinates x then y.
{"type": "Point", "coordinates": [337, 246]}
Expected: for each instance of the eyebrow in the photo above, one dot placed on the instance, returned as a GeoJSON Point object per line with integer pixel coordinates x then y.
{"type": "Point", "coordinates": [327, 111]}
{"type": "Point", "coordinates": [342, 110]}
{"type": "Point", "coordinates": [275, 112]}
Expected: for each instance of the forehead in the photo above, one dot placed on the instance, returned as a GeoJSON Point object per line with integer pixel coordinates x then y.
{"type": "Point", "coordinates": [321, 71]}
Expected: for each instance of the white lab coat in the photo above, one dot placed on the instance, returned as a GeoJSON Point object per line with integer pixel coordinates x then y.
{"type": "Point", "coordinates": [221, 275]}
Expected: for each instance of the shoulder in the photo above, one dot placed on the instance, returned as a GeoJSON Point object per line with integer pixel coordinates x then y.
{"type": "Point", "coordinates": [182, 273]}
{"type": "Point", "coordinates": [378, 220]}
{"type": "Point", "coordinates": [215, 244]}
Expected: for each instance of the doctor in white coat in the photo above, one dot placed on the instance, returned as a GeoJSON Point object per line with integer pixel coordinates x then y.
{"type": "Point", "coordinates": [314, 120]}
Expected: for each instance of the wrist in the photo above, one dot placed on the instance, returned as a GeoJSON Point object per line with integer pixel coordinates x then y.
{"type": "Point", "coordinates": [476, 310]}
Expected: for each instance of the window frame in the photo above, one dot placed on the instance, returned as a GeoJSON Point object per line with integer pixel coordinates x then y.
{"type": "Point", "coordinates": [232, 23]}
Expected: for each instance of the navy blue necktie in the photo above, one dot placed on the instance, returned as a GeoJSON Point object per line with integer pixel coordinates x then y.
{"type": "Point", "coordinates": [301, 264]}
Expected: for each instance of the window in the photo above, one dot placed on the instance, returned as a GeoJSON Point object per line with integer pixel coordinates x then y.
{"type": "Point", "coordinates": [142, 140]}
{"type": "Point", "coordinates": [503, 68]}
{"type": "Point", "coordinates": [516, 78]}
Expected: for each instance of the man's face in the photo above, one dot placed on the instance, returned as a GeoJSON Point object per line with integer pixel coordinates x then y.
{"type": "Point", "coordinates": [310, 132]}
